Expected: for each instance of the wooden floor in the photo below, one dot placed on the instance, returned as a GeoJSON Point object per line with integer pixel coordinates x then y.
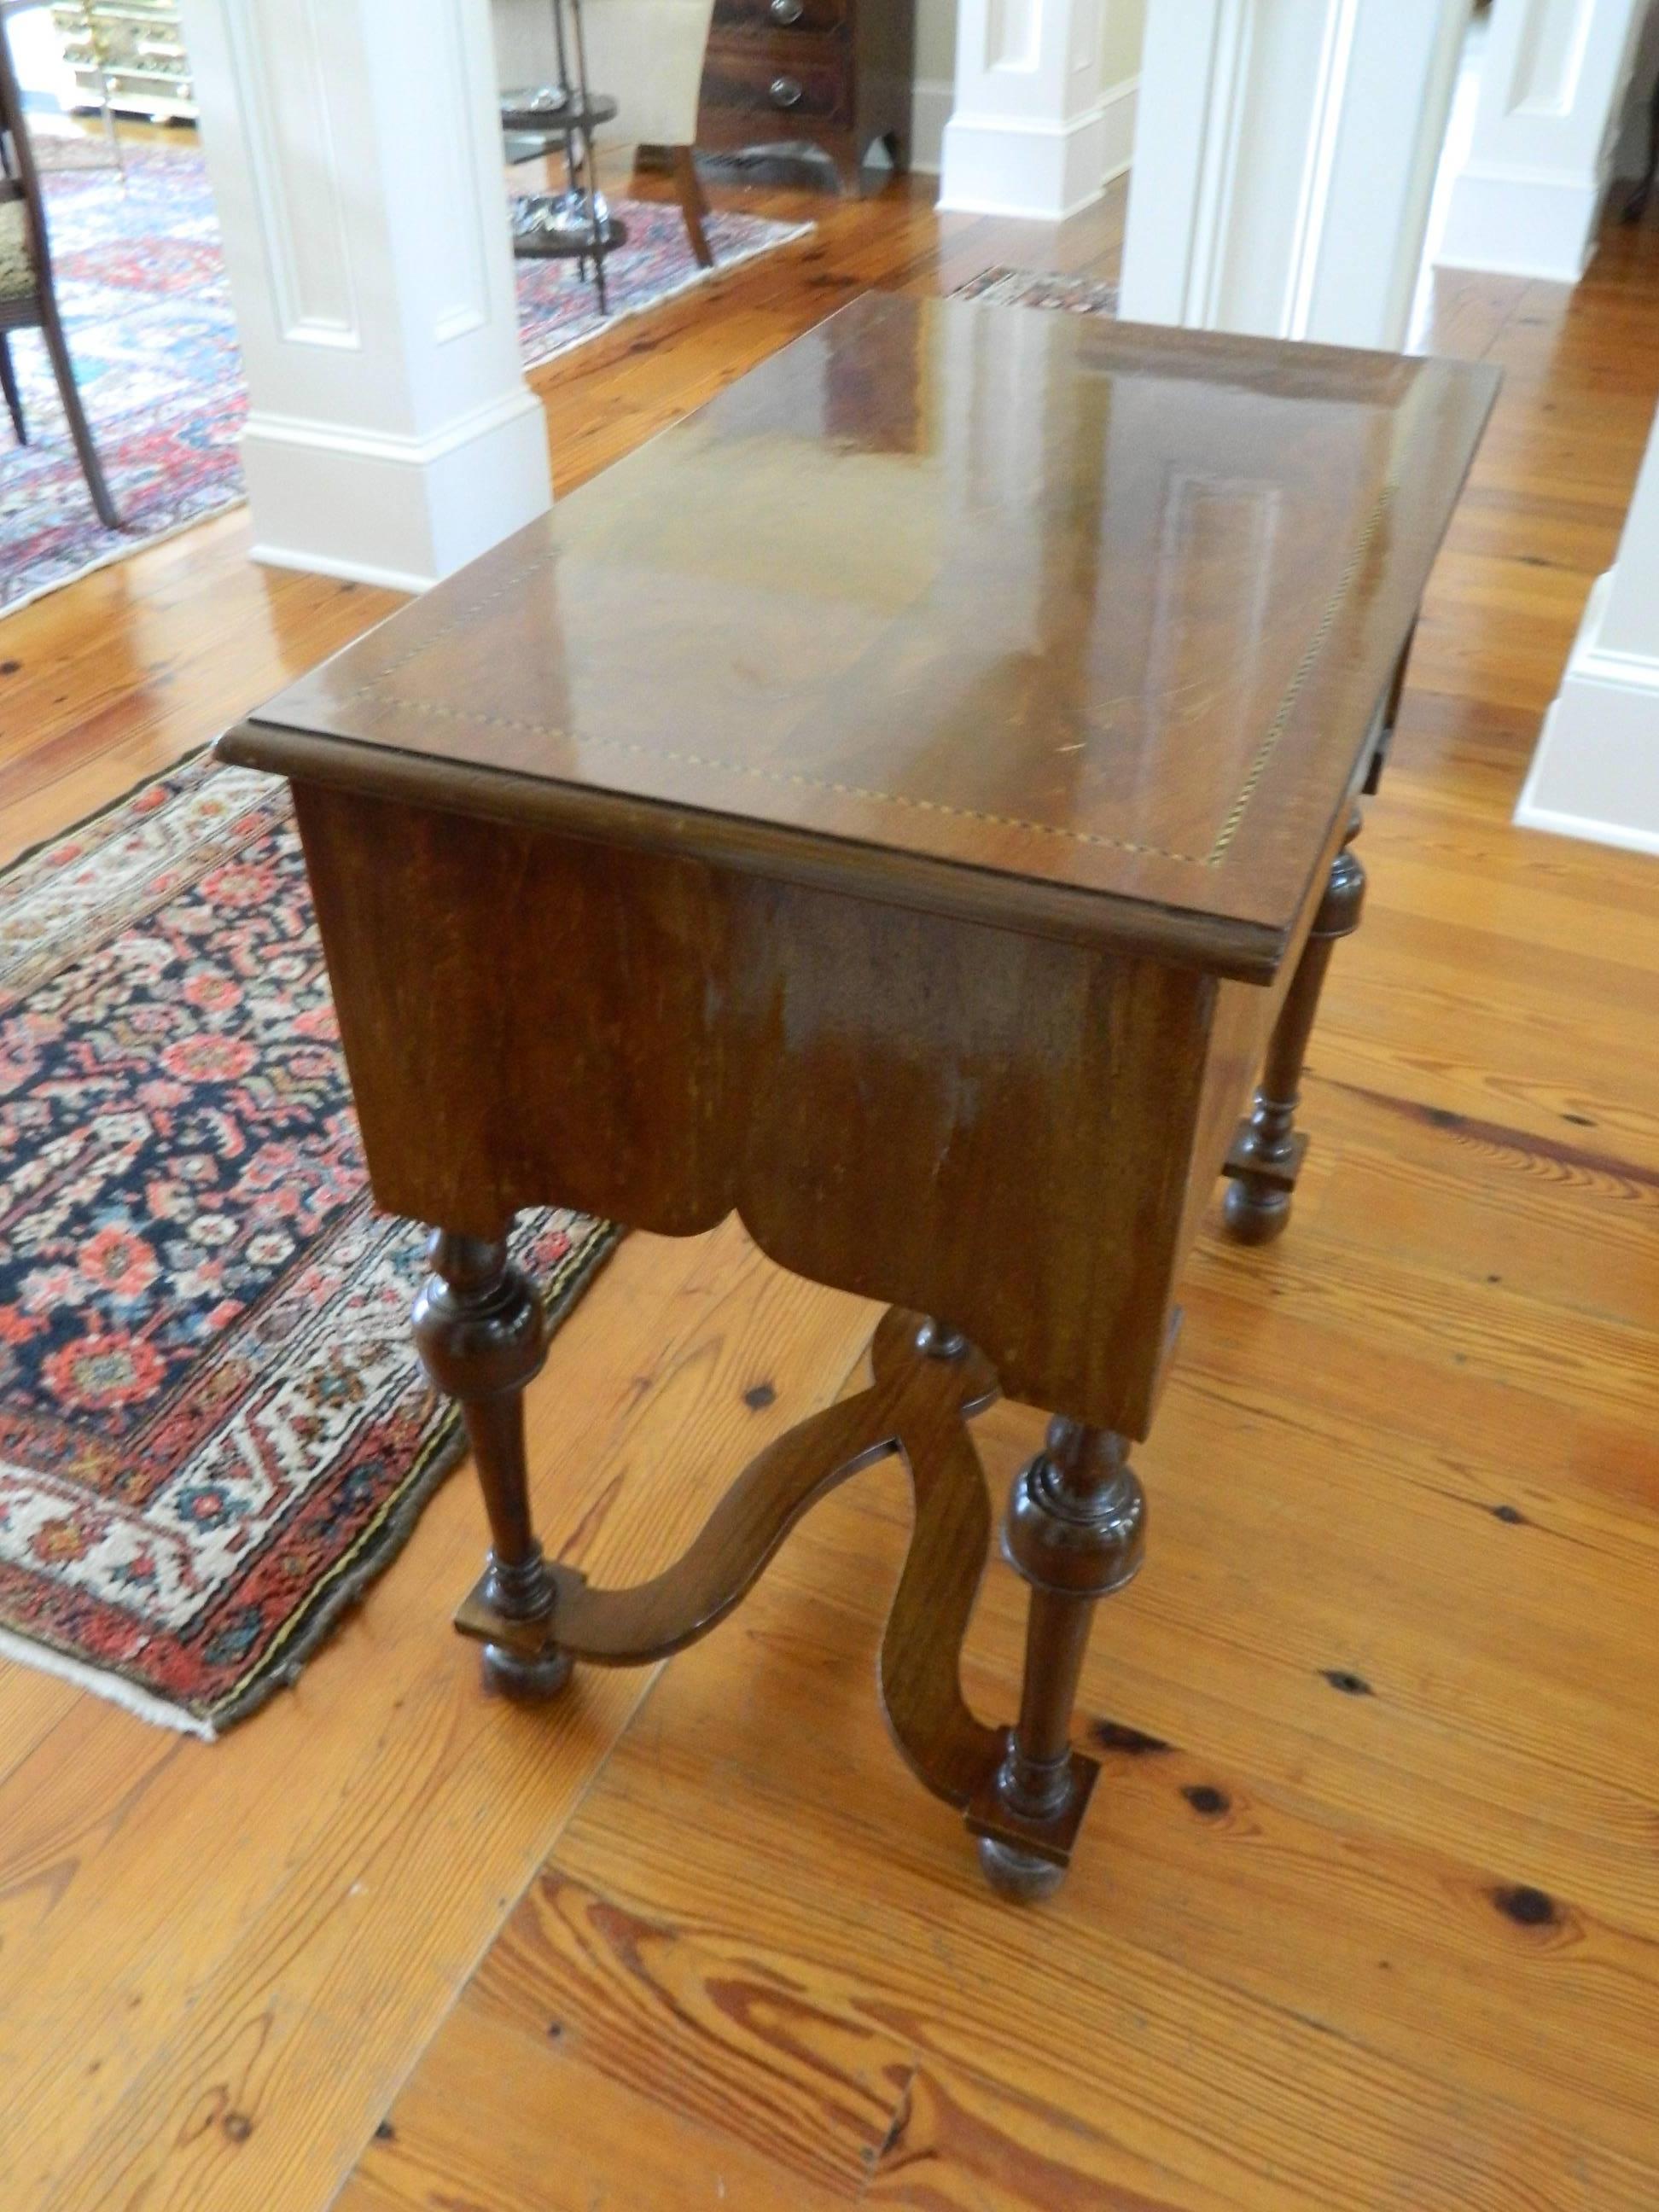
{"type": "Point", "coordinates": [1367, 1910]}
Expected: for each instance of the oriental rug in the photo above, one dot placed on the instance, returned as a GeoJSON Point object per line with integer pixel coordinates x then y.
{"type": "Point", "coordinates": [141, 280]}
{"type": "Point", "coordinates": [214, 1430]}
{"type": "Point", "coordinates": [1029, 287]}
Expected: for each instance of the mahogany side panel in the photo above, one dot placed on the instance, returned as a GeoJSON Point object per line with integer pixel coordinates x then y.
{"type": "Point", "coordinates": [951, 1117]}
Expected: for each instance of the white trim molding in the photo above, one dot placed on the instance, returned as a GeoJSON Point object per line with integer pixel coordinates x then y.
{"type": "Point", "coordinates": [1113, 126]}
{"type": "Point", "coordinates": [930, 98]}
{"type": "Point", "coordinates": [399, 511]}
{"type": "Point", "coordinates": [1528, 198]}
{"type": "Point", "coordinates": [1595, 773]}
{"type": "Point", "coordinates": [1022, 165]}
{"type": "Point", "coordinates": [1120, 107]}
{"type": "Point", "coordinates": [1513, 221]}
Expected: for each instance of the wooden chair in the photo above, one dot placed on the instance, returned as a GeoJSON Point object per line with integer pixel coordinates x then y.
{"type": "Point", "coordinates": [28, 300]}
{"type": "Point", "coordinates": [648, 55]}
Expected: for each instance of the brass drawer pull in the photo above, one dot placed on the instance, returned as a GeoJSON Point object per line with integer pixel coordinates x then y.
{"type": "Point", "coordinates": [786, 92]}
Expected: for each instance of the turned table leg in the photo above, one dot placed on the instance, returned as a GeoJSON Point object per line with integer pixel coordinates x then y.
{"type": "Point", "coordinates": [1267, 1153]}
{"type": "Point", "coordinates": [1076, 1529]}
{"type": "Point", "coordinates": [482, 1335]}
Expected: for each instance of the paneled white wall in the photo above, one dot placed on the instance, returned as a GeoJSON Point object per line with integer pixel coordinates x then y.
{"type": "Point", "coordinates": [1552, 97]}
{"type": "Point", "coordinates": [1285, 164]}
{"type": "Point", "coordinates": [354, 155]}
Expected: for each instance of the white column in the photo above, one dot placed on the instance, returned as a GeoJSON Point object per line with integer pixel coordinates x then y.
{"type": "Point", "coordinates": [1527, 199]}
{"type": "Point", "coordinates": [1595, 773]}
{"type": "Point", "coordinates": [1036, 130]}
{"type": "Point", "coordinates": [1285, 161]}
{"type": "Point", "coordinates": [356, 158]}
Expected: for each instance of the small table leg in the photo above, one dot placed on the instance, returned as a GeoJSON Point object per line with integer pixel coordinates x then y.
{"type": "Point", "coordinates": [483, 1335]}
{"type": "Point", "coordinates": [1076, 1531]}
{"type": "Point", "coordinates": [1267, 1153]}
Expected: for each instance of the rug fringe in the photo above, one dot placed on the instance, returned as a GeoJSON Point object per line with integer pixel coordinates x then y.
{"type": "Point", "coordinates": [24, 1652]}
{"type": "Point", "coordinates": [116, 554]}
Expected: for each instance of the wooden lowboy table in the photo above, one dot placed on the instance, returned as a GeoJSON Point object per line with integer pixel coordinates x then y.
{"type": "Point", "coordinates": [902, 803]}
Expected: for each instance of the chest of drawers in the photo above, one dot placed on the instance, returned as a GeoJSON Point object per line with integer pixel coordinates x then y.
{"type": "Point", "coordinates": [831, 73]}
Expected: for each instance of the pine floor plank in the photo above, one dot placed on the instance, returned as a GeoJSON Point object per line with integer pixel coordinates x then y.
{"type": "Point", "coordinates": [536, 2128]}
{"type": "Point", "coordinates": [1246, 1998]}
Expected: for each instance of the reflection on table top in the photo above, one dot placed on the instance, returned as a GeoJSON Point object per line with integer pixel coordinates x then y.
{"type": "Point", "coordinates": [1089, 605]}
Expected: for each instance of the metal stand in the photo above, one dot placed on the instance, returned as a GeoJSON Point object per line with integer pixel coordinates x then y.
{"type": "Point", "coordinates": [575, 224]}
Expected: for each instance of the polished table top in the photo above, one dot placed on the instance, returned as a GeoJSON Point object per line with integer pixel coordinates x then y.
{"type": "Point", "coordinates": [1012, 613]}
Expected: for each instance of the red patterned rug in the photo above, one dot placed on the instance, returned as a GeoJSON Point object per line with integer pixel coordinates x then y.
{"type": "Point", "coordinates": [214, 1431]}
{"type": "Point", "coordinates": [1033, 288]}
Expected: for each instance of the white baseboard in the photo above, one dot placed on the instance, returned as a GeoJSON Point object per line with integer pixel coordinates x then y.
{"type": "Point", "coordinates": [930, 100]}
{"type": "Point", "coordinates": [1530, 816]}
{"type": "Point", "coordinates": [1595, 773]}
{"type": "Point", "coordinates": [1521, 223]}
{"type": "Point", "coordinates": [1120, 108]}
{"type": "Point", "coordinates": [1027, 166]}
{"type": "Point", "coordinates": [310, 562]}
{"type": "Point", "coordinates": [400, 512]}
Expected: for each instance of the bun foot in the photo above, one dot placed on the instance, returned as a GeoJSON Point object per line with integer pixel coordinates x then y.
{"type": "Point", "coordinates": [1255, 1213]}
{"type": "Point", "coordinates": [526, 1681]}
{"type": "Point", "coordinates": [1020, 1876]}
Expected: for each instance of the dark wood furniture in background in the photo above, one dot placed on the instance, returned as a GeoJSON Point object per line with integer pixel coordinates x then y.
{"type": "Point", "coordinates": [28, 299]}
{"type": "Point", "coordinates": [835, 74]}
{"type": "Point", "coordinates": [924, 883]}
{"type": "Point", "coordinates": [1641, 192]}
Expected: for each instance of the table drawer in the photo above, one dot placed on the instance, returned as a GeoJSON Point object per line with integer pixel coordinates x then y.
{"type": "Point", "coordinates": [801, 78]}
{"type": "Point", "coordinates": [802, 15]}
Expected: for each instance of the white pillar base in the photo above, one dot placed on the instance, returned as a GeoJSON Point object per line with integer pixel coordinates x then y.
{"type": "Point", "coordinates": [1595, 774]}
{"type": "Point", "coordinates": [1515, 222]}
{"type": "Point", "coordinates": [1028, 165]}
{"type": "Point", "coordinates": [1036, 131]}
{"type": "Point", "coordinates": [397, 511]}
{"type": "Point", "coordinates": [1553, 79]}
{"type": "Point", "coordinates": [355, 149]}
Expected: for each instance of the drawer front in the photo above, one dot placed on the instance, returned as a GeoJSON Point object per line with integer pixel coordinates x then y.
{"type": "Point", "coordinates": [809, 15]}
{"type": "Point", "coordinates": [790, 78]}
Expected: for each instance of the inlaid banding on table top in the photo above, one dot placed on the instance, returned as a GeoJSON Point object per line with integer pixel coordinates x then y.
{"type": "Point", "coordinates": [785, 779]}
{"type": "Point", "coordinates": [1083, 630]}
